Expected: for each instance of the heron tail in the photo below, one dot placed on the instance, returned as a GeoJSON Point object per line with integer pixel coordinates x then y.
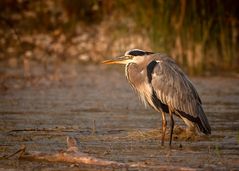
{"type": "Point", "coordinates": [200, 121]}
{"type": "Point", "coordinates": [203, 123]}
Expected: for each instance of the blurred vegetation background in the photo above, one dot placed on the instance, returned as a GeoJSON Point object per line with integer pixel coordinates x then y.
{"type": "Point", "coordinates": [201, 35]}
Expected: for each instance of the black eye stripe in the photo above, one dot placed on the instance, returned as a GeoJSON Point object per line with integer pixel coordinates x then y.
{"type": "Point", "coordinates": [138, 53]}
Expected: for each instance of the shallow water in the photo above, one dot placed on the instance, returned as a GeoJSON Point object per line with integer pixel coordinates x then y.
{"type": "Point", "coordinates": [99, 108]}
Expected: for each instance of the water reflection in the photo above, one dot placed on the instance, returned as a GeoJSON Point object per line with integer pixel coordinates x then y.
{"type": "Point", "coordinates": [125, 130]}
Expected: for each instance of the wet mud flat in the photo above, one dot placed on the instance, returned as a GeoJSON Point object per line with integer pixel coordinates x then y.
{"type": "Point", "coordinates": [99, 109]}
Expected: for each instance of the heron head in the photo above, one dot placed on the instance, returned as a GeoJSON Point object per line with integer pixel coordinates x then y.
{"type": "Point", "coordinates": [133, 55]}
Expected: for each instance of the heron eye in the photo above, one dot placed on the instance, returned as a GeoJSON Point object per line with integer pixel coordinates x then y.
{"type": "Point", "coordinates": [128, 57]}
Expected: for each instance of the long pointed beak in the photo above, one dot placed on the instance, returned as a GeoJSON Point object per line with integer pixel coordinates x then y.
{"type": "Point", "coordinates": [119, 60]}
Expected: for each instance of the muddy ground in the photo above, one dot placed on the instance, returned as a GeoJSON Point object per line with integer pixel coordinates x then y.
{"type": "Point", "coordinates": [97, 107]}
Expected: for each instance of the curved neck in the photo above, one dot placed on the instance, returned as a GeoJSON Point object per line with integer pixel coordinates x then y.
{"type": "Point", "coordinates": [134, 74]}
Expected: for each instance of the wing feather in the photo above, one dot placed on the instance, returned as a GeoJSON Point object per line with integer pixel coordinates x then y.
{"type": "Point", "coordinates": [173, 87]}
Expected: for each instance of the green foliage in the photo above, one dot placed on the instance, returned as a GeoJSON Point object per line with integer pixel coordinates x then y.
{"type": "Point", "coordinates": [201, 35]}
{"type": "Point", "coordinates": [88, 11]}
{"type": "Point", "coordinates": [217, 150]}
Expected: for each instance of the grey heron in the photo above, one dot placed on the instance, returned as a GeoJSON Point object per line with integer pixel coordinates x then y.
{"type": "Point", "coordinates": [162, 85]}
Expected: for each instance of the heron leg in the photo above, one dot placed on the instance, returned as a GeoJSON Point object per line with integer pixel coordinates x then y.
{"type": "Point", "coordinates": [171, 127]}
{"type": "Point", "coordinates": [164, 125]}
